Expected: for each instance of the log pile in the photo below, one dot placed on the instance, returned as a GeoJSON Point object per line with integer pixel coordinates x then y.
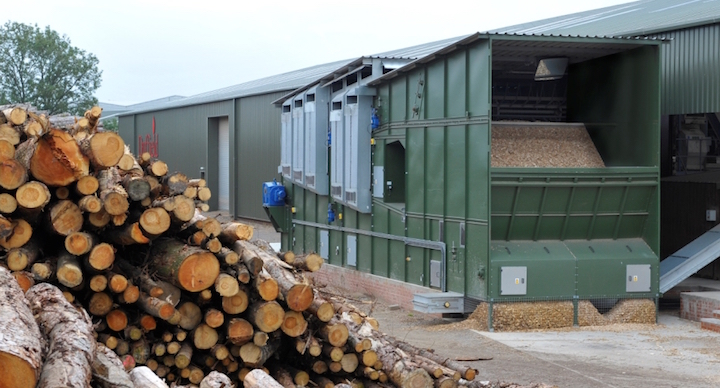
{"type": "Point", "coordinates": [161, 290]}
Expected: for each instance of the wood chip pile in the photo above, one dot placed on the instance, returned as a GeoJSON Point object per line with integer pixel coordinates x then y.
{"type": "Point", "coordinates": [132, 277]}
{"type": "Point", "coordinates": [560, 146]}
{"type": "Point", "coordinates": [519, 316]}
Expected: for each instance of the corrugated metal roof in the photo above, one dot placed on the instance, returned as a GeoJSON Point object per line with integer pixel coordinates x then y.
{"type": "Point", "coordinates": [637, 18]}
{"type": "Point", "coordinates": [112, 110]}
{"type": "Point", "coordinates": [578, 47]}
{"type": "Point", "coordinates": [418, 51]}
{"type": "Point", "coordinates": [292, 80]}
{"type": "Point", "coordinates": [285, 81]}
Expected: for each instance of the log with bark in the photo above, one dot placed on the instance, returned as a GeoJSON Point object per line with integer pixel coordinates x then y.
{"type": "Point", "coordinates": [69, 331]}
{"type": "Point", "coordinates": [189, 268]}
{"type": "Point", "coordinates": [21, 345]}
{"type": "Point", "coordinates": [297, 293]}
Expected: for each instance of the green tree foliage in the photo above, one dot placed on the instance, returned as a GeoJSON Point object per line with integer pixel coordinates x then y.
{"type": "Point", "coordinates": [42, 68]}
{"type": "Point", "coordinates": [111, 124]}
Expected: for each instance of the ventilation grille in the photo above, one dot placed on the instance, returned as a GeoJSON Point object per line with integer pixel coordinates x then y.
{"type": "Point", "coordinates": [350, 196]}
{"type": "Point", "coordinates": [336, 191]}
{"type": "Point", "coordinates": [310, 180]}
{"type": "Point", "coordinates": [298, 175]}
{"type": "Point", "coordinates": [286, 170]}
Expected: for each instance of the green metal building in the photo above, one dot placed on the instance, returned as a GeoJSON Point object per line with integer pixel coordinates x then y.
{"type": "Point", "coordinates": [690, 104]}
{"type": "Point", "coordinates": [412, 194]}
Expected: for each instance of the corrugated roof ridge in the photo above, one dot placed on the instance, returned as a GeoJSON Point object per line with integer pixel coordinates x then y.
{"type": "Point", "coordinates": [653, 16]}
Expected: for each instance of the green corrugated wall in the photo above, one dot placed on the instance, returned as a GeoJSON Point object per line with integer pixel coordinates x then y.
{"type": "Point", "coordinates": [691, 75]}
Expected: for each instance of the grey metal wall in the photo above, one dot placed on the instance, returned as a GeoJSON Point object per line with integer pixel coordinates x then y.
{"type": "Point", "coordinates": [691, 70]}
{"type": "Point", "coordinates": [186, 143]}
{"type": "Point", "coordinates": [257, 142]}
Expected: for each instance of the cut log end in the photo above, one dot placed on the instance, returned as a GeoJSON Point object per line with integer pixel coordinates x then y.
{"type": "Point", "coordinates": [115, 203]}
{"type": "Point", "coordinates": [107, 148]}
{"type": "Point", "coordinates": [300, 297]}
{"type": "Point", "coordinates": [198, 272]}
{"type": "Point", "coordinates": [33, 195]}
{"type": "Point", "coordinates": [16, 372]}
{"type": "Point", "coordinates": [87, 185]}
{"type": "Point", "coordinates": [66, 217]}
{"type": "Point", "coordinates": [155, 221]}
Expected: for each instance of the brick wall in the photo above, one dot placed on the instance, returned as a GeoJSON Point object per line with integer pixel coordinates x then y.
{"type": "Point", "coordinates": [697, 305]}
{"type": "Point", "coordinates": [387, 290]}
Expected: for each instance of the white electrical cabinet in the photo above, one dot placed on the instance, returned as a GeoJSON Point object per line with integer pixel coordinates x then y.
{"type": "Point", "coordinates": [357, 155]}
{"type": "Point", "coordinates": [286, 140]}
{"type": "Point", "coordinates": [317, 101]}
{"type": "Point", "coordinates": [337, 147]}
{"type": "Point", "coordinates": [298, 139]}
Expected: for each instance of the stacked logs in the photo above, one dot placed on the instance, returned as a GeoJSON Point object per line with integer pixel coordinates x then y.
{"type": "Point", "coordinates": [169, 290]}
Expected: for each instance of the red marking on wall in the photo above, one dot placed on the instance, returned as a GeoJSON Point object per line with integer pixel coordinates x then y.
{"type": "Point", "coordinates": [149, 143]}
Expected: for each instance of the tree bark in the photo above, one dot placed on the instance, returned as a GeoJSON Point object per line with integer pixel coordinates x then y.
{"type": "Point", "coordinates": [21, 346]}
{"type": "Point", "coordinates": [108, 371]}
{"type": "Point", "coordinates": [252, 261]}
{"type": "Point", "coordinates": [257, 378]}
{"type": "Point", "coordinates": [143, 377]}
{"type": "Point", "coordinates": [184, 356]}
{"type": "Point", "coordinates": [189, 268]}
{"type": "Point", "coordinates": [466, 372]}
{"type": "Point", "coordinates": [112, 193]}
{"type": "Point", "coordinates": [156, 307]}
{"type": "Point", "coordinates": [138, 188]}
{"type": "Point", "coordinates": [216, 380]}
{"type": "Point", "coordinates": [70, 338]}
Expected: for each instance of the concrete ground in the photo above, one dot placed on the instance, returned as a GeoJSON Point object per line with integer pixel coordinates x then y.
{"type": "Point", "coordinates": [673, 353]}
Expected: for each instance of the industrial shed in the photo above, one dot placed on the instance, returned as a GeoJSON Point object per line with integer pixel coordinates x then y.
{"type": "Point", "coordinates": [231, 136]}
{"type": "Point", "coordinates": [412, 194]}
{"type": "Point", "coordinates": [690, 106]}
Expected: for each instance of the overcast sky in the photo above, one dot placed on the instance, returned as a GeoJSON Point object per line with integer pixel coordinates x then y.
{"type": "Point", "coordinates": [150, 49]}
